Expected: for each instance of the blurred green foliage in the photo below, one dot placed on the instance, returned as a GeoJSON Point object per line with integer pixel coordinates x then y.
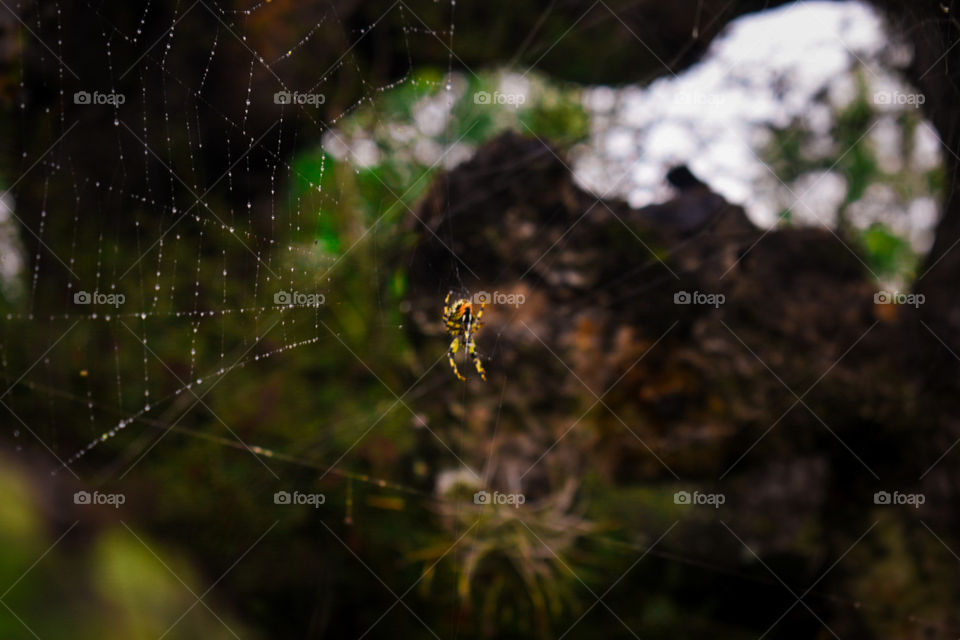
{"type": "Point", "coordinates": [64, 580]}
{"type": "Point", "coordinates": [852, 155]}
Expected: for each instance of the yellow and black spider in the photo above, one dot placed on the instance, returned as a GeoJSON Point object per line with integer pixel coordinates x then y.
{"type": "Point", "coordinates": [463, 323]}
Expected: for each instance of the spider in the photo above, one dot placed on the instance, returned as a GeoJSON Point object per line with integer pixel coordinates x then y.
{"type": "Point", "coordinates": [463, 323]}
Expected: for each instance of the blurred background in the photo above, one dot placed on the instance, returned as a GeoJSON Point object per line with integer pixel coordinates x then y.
{"type": "Point", "coordinates": [713, 243]}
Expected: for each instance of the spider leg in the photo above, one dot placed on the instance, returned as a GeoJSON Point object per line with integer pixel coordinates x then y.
{"type": "Point", "coordinates": [451, 352]}
{"type": "Point", "coordinates": [472, 350]}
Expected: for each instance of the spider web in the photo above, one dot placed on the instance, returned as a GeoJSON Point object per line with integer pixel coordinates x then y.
{"type": "Point", "coordinates": [220, 216]}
